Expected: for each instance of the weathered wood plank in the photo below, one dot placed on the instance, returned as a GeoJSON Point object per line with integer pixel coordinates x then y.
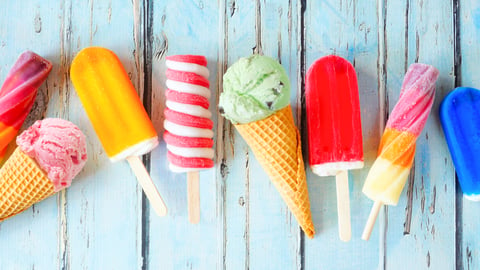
{"type": "Point", "coordinates": [98, 223]}
{"type": "Point", "coordinates": [348, 29]}
{"type": "Point", "coordinates": [429, 241]}
{"type": "Point", "coordinates": [468, 225]}
{"type": "Point", "coordinates": [240, 41]}
{"type": "Point", "coordinates": [38, 29]}
{"type": "Point", "coordinates": [184, 27]}
{"type": "Point", "coordinates": [272, 227]}
{"type": "Point", "coordinates": [103, 210]}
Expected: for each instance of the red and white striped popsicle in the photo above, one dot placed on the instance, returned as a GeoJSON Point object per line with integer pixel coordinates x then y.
{"type": "Point", "coordinates": [188, 124]}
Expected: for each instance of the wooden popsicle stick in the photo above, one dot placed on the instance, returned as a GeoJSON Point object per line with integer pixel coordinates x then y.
{"type": "Point", "coordinates": [343, 206]}
{"type": "Point", "coordinates": [147, 185]}
{"type": "Point", "coordinates": [193, 194]}
{"type": "Point", "coordinates": [371, 220]}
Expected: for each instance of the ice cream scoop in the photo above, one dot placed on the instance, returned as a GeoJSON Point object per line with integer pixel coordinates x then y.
{"type": "Point", "coordinates": [112, 104]}
{"type": "Point", "coordinates": [49, 155]}
{"type": "Point", "coordinates": [255, 98]}
{"type": "Point", "coordinates": [18, 93]}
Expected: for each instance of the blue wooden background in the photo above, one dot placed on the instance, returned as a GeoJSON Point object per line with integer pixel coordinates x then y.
{"type": "Point", "coordinates": [103, 221]}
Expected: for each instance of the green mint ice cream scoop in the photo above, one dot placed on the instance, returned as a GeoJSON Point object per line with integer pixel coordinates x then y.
{"type": "Point", "coordinates": [254, 88]}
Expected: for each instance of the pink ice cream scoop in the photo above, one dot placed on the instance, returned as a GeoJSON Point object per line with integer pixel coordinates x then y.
{"type": "Point", "coordinates": [59, 148]}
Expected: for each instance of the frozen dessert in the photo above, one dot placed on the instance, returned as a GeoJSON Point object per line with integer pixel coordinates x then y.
{"type": "Point", "coordinates": [460, 118]}
{"type": "Point", "coordinates": [112, 104]}
{"type": "Point", "coordinates": [188, 124]}
{"type": "Point", "coordinates": [334, 127]}
{"type": "Point", "coordinates": [389, 172]}
{"type": "Point", "coordinates": [116, 113]}
{"type": "Point", "coordinates": [18, 93]}
{"type": "Point", "coordinates": [49, 155]}
{"type": "Point", "coordinates": [255, 98]}
{"type": "Point", "coordinates": [58, 147]}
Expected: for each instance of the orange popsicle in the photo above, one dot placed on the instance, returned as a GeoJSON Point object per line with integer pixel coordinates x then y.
{"type": "Point", "coordinates": [116, 113]}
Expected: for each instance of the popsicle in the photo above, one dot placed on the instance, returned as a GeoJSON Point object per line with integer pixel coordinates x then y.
{"type": "Point", "coordinates": [389, 172]}
{"type": "Point", "coordinates": [460, 118]}
{"type": "Point", "coordinates": [188, 128]}
{"type": "Point", "coordinates": [334, 127]}
{"type": "Point", "coordinates": [116, 113]}
{"type": "Point", "coordinates": [18, 93]}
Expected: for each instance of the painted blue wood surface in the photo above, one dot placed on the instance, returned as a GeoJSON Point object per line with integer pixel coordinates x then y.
{"type": "Point", "coordinates": [428, 34]}
{"type": "Point", "coordinates": [104, 222]}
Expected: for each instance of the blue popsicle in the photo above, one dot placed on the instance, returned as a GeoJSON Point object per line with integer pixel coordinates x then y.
{"type": "Point", "coordinates": [460, 118]}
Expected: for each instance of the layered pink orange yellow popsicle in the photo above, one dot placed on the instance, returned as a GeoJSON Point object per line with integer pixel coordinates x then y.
{"type": "Point", "coordinates": [18, 93]}
{"type": "Point", "coordinates": [389, 172]}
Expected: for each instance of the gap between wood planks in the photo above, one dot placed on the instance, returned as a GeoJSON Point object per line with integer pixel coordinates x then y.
{"type": "Point", "coordinates": [383, 115]}
{"type": "Point", "coordinates": [458, 192]}
{"type": "Point", "coordinates": [145, 26]}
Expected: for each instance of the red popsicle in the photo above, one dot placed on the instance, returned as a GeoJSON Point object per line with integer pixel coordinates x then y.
{"type": "Point", "coordinates": [334, 127]}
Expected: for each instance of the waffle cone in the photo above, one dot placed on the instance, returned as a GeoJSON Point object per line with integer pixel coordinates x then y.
{"type": "Point", "coordinates": [22, 183]}
{"type": "Point", "coordinates": [275, 142]}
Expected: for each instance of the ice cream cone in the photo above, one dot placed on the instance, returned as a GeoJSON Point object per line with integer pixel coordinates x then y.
{"type": "Point", "coordinates": [22, 183]}
{"type": "Point", "coordinates": [276, 144]}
